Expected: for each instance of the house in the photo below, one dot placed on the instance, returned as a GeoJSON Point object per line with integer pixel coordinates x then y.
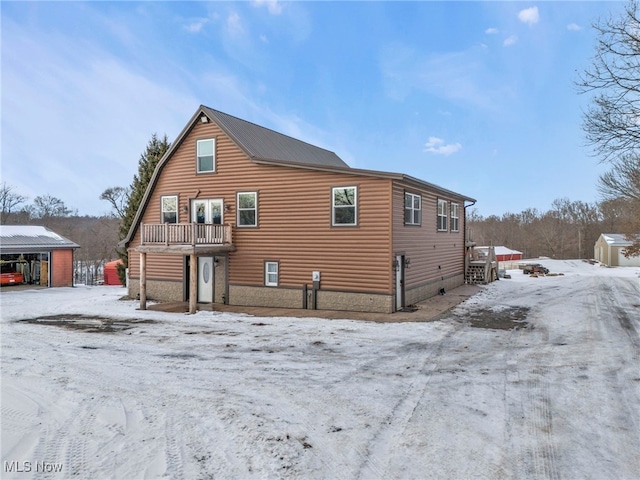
{"type": "Point", "coordinates": [503, 254]}
{"type": "Point", "coordinates": [610, 248]}
{"type": "Point", "coordinates": [35, 255]}
{"type": "Point", "coordinates": [239, 214]}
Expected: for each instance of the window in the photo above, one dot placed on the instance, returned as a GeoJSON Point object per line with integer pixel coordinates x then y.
{"type": "Point", "coordinates": [455, 217]}
{"type": "Point", "coordinates": [169, 206]}
{"type": "Point", "coordinates": [206, 155]}
{"type": "Point", "coordinates": [412, 209]}
{"type": "Point", "coordinates": [271, 274]}
{"type": "Point", "coordinates": [207, 211]}
{"type": "Point", "coordinates": [344, 206]}
{"type": "Point", "coordinates": [247, 209]}
{"type": "Point", "coordinates": [442, 215]}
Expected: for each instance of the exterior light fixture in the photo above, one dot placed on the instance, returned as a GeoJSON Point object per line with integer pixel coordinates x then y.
{"type": "Point", "coordinates": [204, 119]}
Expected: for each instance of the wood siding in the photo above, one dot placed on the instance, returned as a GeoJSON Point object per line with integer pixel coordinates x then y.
{"type": "Point", "coordinates": [434, 255]}
{"type": "Point", "coordinates": [294, 220]}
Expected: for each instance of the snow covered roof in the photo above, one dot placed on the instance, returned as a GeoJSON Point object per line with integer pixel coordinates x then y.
{"type": "Point", "coordinates": [32, 237]}
{"type": "Point", "coordinates": [616, 239]}
{"type": "Point", "coordinates": [502, 250]}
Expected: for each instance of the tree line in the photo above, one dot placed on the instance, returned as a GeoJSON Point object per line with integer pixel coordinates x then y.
{"type": "Point", "coordinates": [569, 229]}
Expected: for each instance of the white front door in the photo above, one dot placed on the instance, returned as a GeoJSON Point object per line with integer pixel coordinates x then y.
{"type": "Point", "coordinates": [208, 210]}
{"type": "Point", "coordinates": [205, 279]}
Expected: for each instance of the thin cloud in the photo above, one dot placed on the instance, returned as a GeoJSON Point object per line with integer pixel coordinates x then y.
{"type": "Point", "coordinates": [234, 24]}
{"type": "Point", "coordinates": [196, 25]}
{"type": "Point", "coordinates": [574, 27]}
{"type": "Point", "coordinates": [462, 77]}
{"type": "Point", "coordinates": [491, 31]}
{"type": "Point", "coordinates": [529, 15]}
{"type": "Point", "coordinates": [273, 6]}
{"type": "Point", "coordinates": [512, 40]}
{"type": "Point", "coordinates": [437, 146]}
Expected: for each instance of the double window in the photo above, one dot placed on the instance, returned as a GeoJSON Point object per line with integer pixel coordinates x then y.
{"type": "Point", "coordinates": [206, 155]}
{"type": "Point", "coordinates": [247, 209]}
{"type": "Point", "coordinates": [412, 209]}
{"type": "Point", "coordinates": [442, 215]}
{"type": "Point", "coordinates": [344, 206]}
{"type": "Point", "coordinates": [271, 274]}
{"type": "Point", "coordinates": [169, 207]}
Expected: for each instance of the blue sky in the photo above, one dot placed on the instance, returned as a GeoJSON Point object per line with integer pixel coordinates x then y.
{"type": "Point", "coordinates": [477, 97]}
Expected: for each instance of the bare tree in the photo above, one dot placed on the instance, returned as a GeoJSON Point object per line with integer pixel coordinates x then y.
{"type": "Point", "coordinates": [622, 181]}
{"type": "Point", "coordinates": [47, 206]}
{"type": "Point", "coordinates": [9, 200]}
{"type": "Point", "coordinates": [611, 123]}
{"type": "Point", "coordinates": [118, 198]}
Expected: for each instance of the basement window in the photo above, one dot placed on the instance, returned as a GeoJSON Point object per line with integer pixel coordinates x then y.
{"type": "Point", "coordinates": [271, 274]}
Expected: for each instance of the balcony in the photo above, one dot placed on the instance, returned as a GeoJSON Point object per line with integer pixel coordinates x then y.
{"type": "Point", "coordinates": [185, 238]}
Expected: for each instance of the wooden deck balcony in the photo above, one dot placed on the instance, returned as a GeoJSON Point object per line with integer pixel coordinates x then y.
{"type": "Point", "coordinates": [185, 238]}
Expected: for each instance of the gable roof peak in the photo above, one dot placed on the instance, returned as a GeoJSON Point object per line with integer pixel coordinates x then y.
{"type": "Point", "coordinates": [264, 144]}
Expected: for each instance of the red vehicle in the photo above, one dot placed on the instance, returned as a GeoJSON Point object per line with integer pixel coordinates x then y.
{"type": "Point", "coordinates": [11, 278]}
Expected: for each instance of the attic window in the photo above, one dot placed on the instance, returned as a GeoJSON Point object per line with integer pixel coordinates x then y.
{"type": "Point", "coordinates": [206, 157]}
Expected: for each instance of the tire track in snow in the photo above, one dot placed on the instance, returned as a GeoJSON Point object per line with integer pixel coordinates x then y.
{"type": "Point", "coordinates": [528, 408]}
{"type": "Point", "coordinates": [67, 444]}
{"type": "Point", "coordinates": [391, 430]}
{"type": "Point", "coordinates": [173, 450]}
{"type": "Point", "coordinates": [617, 302]}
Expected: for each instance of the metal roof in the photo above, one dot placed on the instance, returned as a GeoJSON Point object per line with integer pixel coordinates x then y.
{"type": "Point", "coordinates": [30, 237]}
{"type": "Point", "coordinates": [261, 143]}
{"type": "Point", "coordinates": [617, 239]}
{"type": "Point", "coordinates": [500, 250]}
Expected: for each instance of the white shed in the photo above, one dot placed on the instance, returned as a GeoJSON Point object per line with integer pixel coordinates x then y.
{"type": "Point", "coordinates": [610, 249]}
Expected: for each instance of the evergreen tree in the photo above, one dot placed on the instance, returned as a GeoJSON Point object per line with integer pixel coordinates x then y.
{"type": "Point", "coordinates": [156, 148]}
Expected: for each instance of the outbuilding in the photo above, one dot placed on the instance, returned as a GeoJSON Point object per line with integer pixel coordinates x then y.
{"type": "Point", "coordinates": [503, 254]}
{"type": "Point", "coordinates": [35, 255]}
{"type": "Point", "coordinates": [610, 249]}
{"type": "Point", "coordinates": [111, 273]}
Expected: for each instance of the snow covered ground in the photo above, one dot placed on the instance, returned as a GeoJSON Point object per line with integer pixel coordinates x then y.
{"type": "Point", "coordinates": [217, 395]}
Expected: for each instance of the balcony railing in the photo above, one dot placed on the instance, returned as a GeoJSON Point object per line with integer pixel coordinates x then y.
{"type": "Point", "coordinates": [185, 234]}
